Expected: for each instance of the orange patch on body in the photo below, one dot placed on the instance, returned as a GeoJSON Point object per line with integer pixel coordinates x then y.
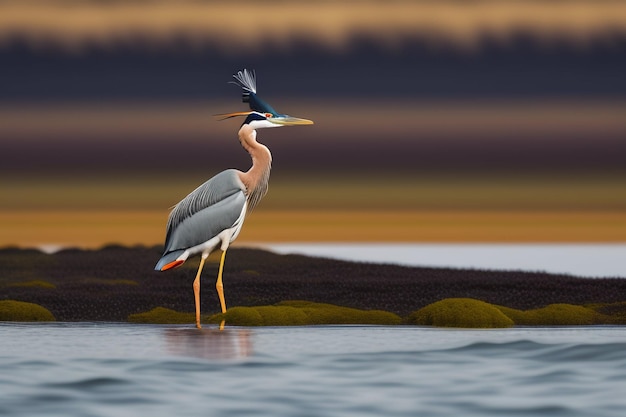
{"type": "Point", "coordinates": [173, 264]}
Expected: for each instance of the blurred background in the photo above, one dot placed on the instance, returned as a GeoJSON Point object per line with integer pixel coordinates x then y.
{"type": "Point", "coordinates": [436, 121]}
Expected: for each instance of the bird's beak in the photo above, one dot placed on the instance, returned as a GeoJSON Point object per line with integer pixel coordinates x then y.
{"type": "Point", "coordinates": [289, 121]}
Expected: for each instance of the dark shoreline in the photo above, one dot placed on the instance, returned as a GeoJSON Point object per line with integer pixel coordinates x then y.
{"type": "Point", "coordinates": [111, 283]}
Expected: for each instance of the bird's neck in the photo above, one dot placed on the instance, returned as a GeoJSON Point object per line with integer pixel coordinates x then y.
{"type": "Point", "coordinates": [256, 179]}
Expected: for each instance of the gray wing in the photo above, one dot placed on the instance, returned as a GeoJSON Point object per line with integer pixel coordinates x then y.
{"type": "Point", "coordinates": [208, 210]}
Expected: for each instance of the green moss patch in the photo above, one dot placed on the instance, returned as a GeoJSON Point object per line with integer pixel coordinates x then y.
{"type": "Point", "coordinates": [33, 284]}
{"type": "Point", "coordinates": [300, 313]}
{"type": "Point", "coordinates": [556, 315]}
{"type": "Point", "coordinates": [470, 313]}
{"type": "Point", "coordinates": [615, 313]}
{"type": "Point", "coordinates": [450, 312]}
{"type": "Point", "coordinates": [11, 310]}
{"type": "Point", "coordinates": [161, 315]}
{"type": "Point", "coordinates": [460, 312]}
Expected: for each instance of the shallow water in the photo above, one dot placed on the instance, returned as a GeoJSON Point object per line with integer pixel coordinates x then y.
{"type": "Point", "coordinates": [83, 369]}
{"type": "Point", "coordinates": [591, 260]}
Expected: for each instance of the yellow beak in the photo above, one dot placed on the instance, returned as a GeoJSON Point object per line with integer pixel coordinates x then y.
{"type": "Point", "coordinates": [290, 121]}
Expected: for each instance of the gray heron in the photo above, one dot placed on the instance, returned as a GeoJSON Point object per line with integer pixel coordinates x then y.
{"type": "Point", "coordinates": [212, 215]}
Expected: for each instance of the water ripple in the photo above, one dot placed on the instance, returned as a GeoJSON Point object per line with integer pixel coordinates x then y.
{"type": "Point", "coordinates": [97, 384]}
{"type": "Point", "coordinates": [310, 371]}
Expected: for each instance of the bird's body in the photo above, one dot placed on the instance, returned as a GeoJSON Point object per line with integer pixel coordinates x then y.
{"type": "Point", "coordinates": [212, 215]}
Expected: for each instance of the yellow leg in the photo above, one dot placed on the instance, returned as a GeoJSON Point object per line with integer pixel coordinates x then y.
{"type": "Point", "coordinates": [196, 292]}
{"type": "Point", "coordinates": [219, 286]}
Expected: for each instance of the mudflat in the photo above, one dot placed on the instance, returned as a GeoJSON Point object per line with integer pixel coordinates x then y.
{"type": "Point", "coordinates": [113, 282]}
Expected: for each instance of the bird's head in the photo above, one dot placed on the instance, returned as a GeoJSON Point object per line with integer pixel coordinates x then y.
{"type": "Point", "coordinates": [262, 115]}
{"type": "Point", "coordinates": [258, 120]}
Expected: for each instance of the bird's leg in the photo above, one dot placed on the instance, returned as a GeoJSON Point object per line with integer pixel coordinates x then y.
{"type": "Point", "coordinates": [196, 291]}
{"type": "Point", "coordinates": [218, 285]}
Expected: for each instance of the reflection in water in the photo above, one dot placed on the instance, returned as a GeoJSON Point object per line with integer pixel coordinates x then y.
{"type": "Point", "coordinates": [209, 343]}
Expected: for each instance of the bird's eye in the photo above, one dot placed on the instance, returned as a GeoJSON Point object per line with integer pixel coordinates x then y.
{"type": "Point", "coordinates": [269, 115]}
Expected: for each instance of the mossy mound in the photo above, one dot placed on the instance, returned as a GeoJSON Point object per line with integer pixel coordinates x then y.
{"type": "Point", "coordinates": [556, 315]}
{"type": "Point", "coordinates": [615, 313]}
{"type": "Point", "coordinates": [11, 310]}
{"type": "Point", "coordinates": [161, 315]}
{"type": "Point", "coordinates": [470, 313]}
{"type": "Point", "coordinates": [460, 312]}
{"type": "Point", "coordinates": [301, 313]}
{"type": "Point", "coordinates": [34, 284]}
{"type": "Point", "coordinates": [450, 312]}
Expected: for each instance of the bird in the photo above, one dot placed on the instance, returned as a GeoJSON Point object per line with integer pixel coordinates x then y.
{"type": "Point", "coordinates": [211, 216]}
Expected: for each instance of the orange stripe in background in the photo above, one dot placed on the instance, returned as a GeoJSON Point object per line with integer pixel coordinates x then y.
{"type": "Point", "coordinates": [90, 228]}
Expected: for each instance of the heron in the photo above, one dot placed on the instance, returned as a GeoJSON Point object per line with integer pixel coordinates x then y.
{"type": "Point", "coordinates": [212, 215]}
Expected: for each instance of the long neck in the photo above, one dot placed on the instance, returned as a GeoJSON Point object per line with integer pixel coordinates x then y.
{"type": "Point", "coordinates": [256, 179]}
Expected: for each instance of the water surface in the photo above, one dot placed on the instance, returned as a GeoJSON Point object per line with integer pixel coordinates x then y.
{"type": "Point", "coordinates": [585, 260]}
{"type": "Point", "coordinates": [83, 369]}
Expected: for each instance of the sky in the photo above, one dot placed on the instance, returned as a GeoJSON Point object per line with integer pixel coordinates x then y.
{"type": "Point", "coordinates": [405, 85]}
{"type": "Point", "coordinates": [125, 91]}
